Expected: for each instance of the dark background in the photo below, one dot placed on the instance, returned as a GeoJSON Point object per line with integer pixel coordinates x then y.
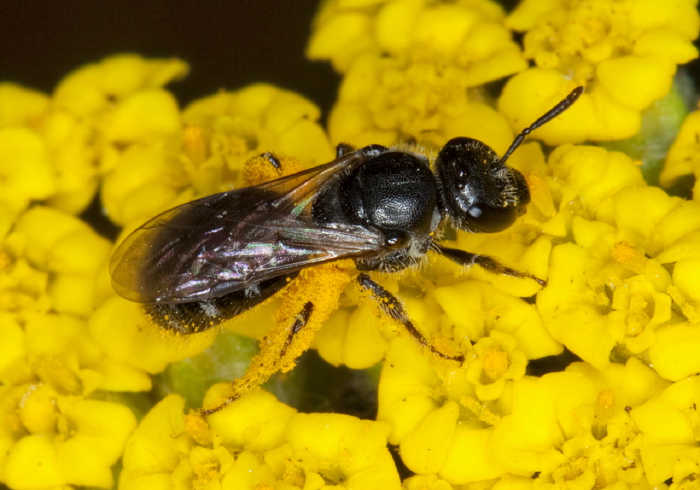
{"type": "Point", "coordinates": [228, 43]}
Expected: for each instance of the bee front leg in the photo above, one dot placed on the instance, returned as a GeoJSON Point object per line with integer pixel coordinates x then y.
{"type": "Point", "coordinates": [268, 166]}
{"type": "Point", "coordinates": [492, 265]}
{"type": "Point", "coordinates": [392, 307]}
{"type": "Point", "coordinates": [274, 161]}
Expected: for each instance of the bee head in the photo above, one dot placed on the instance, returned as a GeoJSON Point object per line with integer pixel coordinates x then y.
{"type": "Point", "coordinates": [477, 189]}
{"type": "Point", "coordinates": [479, 192]}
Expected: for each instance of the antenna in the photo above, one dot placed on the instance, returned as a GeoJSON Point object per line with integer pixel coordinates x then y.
{"type": "Point", "coordinates": [551, 114]}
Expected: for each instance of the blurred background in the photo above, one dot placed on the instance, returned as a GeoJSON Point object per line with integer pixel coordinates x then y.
{"type": "Point", "coordinates": [228, 43]}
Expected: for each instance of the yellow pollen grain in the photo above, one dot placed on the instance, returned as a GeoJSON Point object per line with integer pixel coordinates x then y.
{"type": "Point", "coordinates": [495, 363]}
{"type": "Point", "coordinates": [198, 429]}
{"type": "Point", "coordinates": [574, 469]}
{"type": "Point", "coordinates": [604, 406]}
{"type": "Point", "coordinates": [481, 412]}
{"type": "Point", "coordinates": [625, 254]}
{"type": "Point", "coordinates": [203, 475]}
{"type": "Point", "coordinates": [638, 317]}
{"type": "Point", "coordinates": [602, 412]}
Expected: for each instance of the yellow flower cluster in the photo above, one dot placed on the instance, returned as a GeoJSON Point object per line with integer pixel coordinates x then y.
{"type": "Point", "coordinates": [73, 356]}
{"type": "Point", "coordinates": [256, 443]}
{"type": "Point", "coordinates": [412, 69]}
{"type": "Point", "coordinates": [621, 259]}
{"type": "Point", "coordinates": [624, 51]}
{"type": "Point", "coordinates": [55, 431]}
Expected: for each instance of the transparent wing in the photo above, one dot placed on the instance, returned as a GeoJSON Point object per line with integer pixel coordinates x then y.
{"type": "Point", "coordinates": [234, 240]}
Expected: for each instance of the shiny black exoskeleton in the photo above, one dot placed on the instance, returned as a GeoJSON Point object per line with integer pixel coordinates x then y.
{"type": "Point", "coordinates": [208, 260]}
{"type": "Point", "coordinates": [397, 193]}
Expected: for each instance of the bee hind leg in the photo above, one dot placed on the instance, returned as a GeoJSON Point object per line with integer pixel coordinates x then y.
{"type": "Point", "coordinates": [267, 362]}
{"type": "Point", "coordinates": [392, 307]}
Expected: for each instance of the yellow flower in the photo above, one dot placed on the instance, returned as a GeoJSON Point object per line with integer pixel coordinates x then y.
{"type": "Point", "coordinates": [387, 100]}
{"type": "Point", "coordinates": [408, 65]}
{"type": "Point", "coordinates": [173, 164]}
{"type": "Point", "coordinates": [257, 442]}
{"type": "Point", "coordinates": [26, 171]}
{"type": "Point", "coordinates": [100, 110]}
{"type": "Point", "coordinates": [67, 248]}
{"type": "Point", "coordinates": [637, 309]}
{"type": "Point", "coordinates": [492, 311]}
{"type": "Point", "coordinates": [352, 338]}
{"type": "Point", "coordinates": [422, 401]}
{"type": "Point", "coordinates": [344, 450]}
{"type": "Point", "coordinates": [52, 434]}
{"type": "Point", "coordinates": [620, 258]}
{"type": "Point", "coordinates": [71, 441]}
{"type": "Point", "coordinates": [624, 53]}
{"type": "Point", "coordinates": [574, 426]}
{"type": "Point", "coordinates": [236, 126]}
{"type": "Point", "coordinates": [610, 288]}
{"type": "Point", "coordinates": [670, 424]}
{"type": "Point", "coordinates": [495, 361]}
{"type": "Point", "coordinates": [21, 106]}
{"type": "Point", "coordinates": [467, 34]}
{"type": "Point", "coordinates": [131, 342]}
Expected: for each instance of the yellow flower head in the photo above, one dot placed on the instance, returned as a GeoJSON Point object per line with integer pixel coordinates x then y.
{"type": "Point", "coordinates": [100, 110]}
{"type": "Point", "coordinates": [61, 440]}
{"type": "Point", "coordinates": [26, 168]}
{"type": "Point", "coordinates": [408, 65]}
{"type": "Point", "coordinates": [173, 158]}
{"type": "Point", "coordinates": [609, 287]}
{"type": "Point", "coordinates": [575, 426]}
{"type": "Point", "coordinates": [624, 52]}
{"type": "Point", "coordinates": [257, 442]}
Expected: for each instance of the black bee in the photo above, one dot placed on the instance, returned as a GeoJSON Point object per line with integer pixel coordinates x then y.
{"type": "Point", "coordinates": [208, 260]}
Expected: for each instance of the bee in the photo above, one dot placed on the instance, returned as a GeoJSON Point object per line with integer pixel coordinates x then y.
{"type": "Point", "coordinates": [211, 259]}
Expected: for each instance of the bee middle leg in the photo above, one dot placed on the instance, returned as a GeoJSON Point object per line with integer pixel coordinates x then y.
{"type": "Point", "coordinates": [392, 307]}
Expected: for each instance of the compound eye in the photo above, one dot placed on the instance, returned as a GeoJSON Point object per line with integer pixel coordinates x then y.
{"type": "Point", "coordinates": [489, 219]}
